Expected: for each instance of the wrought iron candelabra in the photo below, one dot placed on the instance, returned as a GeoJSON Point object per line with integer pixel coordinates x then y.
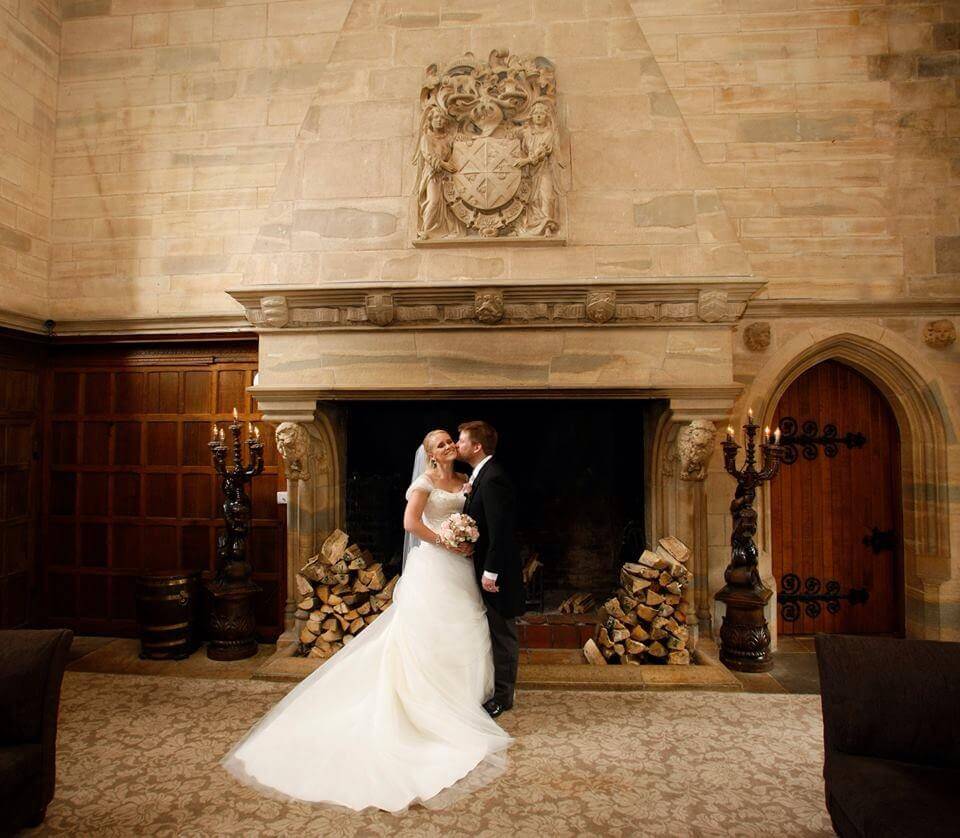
{"type": "Point", "coordinates": [744, 634]}
{"type": "Point", "coordinates": [232, 626]}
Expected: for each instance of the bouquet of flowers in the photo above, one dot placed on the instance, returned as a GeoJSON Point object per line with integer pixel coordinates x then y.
{"type": "Point", "coordinates": [458, 529]}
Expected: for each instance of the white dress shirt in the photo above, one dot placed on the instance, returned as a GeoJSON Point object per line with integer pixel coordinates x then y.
{"type": "Point", "coordinates": [473, 476]}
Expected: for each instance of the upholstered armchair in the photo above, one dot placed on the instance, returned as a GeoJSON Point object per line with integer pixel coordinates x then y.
{"type": "Point", "coordinates": [891, 735]}
{"type": "Point", "coordinates": [32, 663]}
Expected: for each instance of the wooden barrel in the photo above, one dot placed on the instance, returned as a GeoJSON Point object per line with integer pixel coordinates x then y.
{"type": "Point", "coordinates": [168, 606]}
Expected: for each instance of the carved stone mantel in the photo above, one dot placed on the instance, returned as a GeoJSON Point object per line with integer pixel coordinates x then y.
{"type": "Point", "coordinates": [671, 302]}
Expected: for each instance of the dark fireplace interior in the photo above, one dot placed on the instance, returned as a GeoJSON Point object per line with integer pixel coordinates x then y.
{"type": "Point", "coordinates": [577, 464]}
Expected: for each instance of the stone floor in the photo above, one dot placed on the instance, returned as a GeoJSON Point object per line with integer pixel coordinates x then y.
{"type": "Point", "coordinates": [794, 671]}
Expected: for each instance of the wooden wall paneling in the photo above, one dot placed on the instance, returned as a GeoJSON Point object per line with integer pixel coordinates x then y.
{"type": "Point", "coordinates": [128, 482]}
{"type": "Point", "coordinates": [20, 412]}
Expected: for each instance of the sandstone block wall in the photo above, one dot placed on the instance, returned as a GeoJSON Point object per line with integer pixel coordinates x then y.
{"type": "Point", "coordinates": [810, 143]}
{"type": "Point", "coordinates": [173, 126]}
{"type": "Point", "coordinates": [29, 59]}
{"type": "Point", "coordinates": [832, 132]}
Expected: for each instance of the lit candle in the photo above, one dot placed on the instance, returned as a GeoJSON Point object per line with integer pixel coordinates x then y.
{"type": "Point", "coordinates": [776, 437]}
{"type": "Point", "coordinates": [256, 433]}
{"type": "Point", "coordinates": [213, 432]}
{"type": "Point", "coordinates": [234, 414]}
{"type": "Point", "coordinates": [729, 433]}
{"type": "Point", "coordinates": [766, 435]}
{"type": "Point", "coordinates": [249, 428]}
{"type": "Point", "coordinates": [221, 435]}
{"type": "Point", "coordinates": [750, 416]}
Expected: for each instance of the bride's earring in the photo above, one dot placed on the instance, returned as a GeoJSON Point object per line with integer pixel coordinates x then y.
{"type": "Point", "coordinates": [433, 462]}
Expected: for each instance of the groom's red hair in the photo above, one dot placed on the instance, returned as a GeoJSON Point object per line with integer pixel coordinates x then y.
{"type": "Point", "coordinates": [482, 433]}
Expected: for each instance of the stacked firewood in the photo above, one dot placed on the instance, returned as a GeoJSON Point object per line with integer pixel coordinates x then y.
{"type": "Point", "coordinates": [342, 590]}
{"type": "Point", "coordinates": [645, 621]}
{"type": "Point", "coordinates": [580, 603]}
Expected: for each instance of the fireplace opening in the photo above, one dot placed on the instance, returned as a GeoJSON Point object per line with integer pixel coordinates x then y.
{"type": "Point", "coordinates": [578, 466]}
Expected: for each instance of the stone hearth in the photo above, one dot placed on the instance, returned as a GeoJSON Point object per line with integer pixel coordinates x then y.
{"type": "Point", "coordinates": [326, 348]}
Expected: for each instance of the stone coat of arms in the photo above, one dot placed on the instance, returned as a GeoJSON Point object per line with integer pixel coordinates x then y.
{"type": "Point", "coordinates": [486, 154]}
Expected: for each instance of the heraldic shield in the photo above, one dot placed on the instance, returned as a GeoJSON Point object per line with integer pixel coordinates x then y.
{"type": "Point", "coordinates": [486, 177]}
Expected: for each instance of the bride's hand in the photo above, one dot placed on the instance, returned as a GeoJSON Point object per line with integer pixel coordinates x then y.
{"type": "Point", "coordinates": [465, 549]}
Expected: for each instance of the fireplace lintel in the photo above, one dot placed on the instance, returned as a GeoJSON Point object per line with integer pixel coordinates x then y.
{"type": "Point", "coordinates": [352, 306]}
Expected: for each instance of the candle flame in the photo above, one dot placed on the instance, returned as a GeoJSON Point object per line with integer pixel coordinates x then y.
{"type": "Point", "coordinates": [729, 430]}
{"type": "Point", "coordinates": [256, 433]}
{"type": "Point", "coordinates": [750, 414]}
{"type": "Point", "coordinates": [776, 436]}
{"type": "Point", "coordinates": [221, 434]}
{"type": "Point", "coordinates": [234, 414]}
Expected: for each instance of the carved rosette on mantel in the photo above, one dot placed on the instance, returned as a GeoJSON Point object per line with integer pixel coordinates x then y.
{"type": "Point", "coordinates": [357, 306]}
{"type": "Point", "coordinates": [487, 150]}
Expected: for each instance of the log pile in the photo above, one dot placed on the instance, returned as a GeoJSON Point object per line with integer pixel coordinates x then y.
{"type": "Point", "coordinates": [342, 590]}
{"type": "Point", "coordinates": [582, 603]}
{"type": "Point", "coordinates": [645, 621]}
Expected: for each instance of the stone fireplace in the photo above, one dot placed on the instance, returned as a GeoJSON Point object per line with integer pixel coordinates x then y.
{"type": "Point", "coordinates": [353, 376]}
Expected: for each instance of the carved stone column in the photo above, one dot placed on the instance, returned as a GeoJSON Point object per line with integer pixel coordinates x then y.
{"type": "Point", "coordinates": [683, 457]}
{"type": "Point", "coordinates": [312, 453]}
{"type": "Point", "coordinates": [683, 445]}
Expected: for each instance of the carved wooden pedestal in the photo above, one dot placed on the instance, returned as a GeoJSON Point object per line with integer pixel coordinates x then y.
{"type": "Point", "coordinates": [744, 633]}
{"type": "Point", "coordinates": [233, 625]}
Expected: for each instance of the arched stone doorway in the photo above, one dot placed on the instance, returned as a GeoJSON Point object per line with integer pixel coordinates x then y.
{"type": "Point", "coordinates": [926, 415]}
{"type": "Point", "coordinates": [836, 530]}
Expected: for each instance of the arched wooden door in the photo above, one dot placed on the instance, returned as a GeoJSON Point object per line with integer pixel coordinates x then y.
{"type": "Point", "coordinates": [836, 507]}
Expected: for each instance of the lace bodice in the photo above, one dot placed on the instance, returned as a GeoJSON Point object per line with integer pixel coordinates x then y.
{"type": "Point", "coordinates": [440, 505]}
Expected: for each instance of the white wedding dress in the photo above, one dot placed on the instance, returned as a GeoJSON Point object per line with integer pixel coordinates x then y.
{"type": "Point", "coordinates": [395, 717]}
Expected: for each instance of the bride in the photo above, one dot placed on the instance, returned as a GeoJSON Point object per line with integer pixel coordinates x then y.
{"type": "Point", "coordinates": [396, 717]}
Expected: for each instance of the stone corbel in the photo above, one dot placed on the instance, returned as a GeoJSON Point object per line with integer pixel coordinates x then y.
{"type": "Point", "coordinates": [293, 443]}
{"type": "Point", "coordinates": [695, 444]}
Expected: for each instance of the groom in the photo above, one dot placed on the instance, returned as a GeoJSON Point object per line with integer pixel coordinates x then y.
{"type": "Point", "coordinates": [492, 504]}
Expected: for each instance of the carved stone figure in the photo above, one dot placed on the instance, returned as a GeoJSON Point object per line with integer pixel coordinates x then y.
{"type": "Point", "coordinates": [712, 305]}
{"type": "Point", "coordinates": [486, 155]}
{"type": "Point", "coordinates": [694, 446]}
{"type": "Point", "coordinates": [539, 140]}
{"type": "Point", "coordinates": [601, 305]}
{"type": "Point", "coordinates": [380, 310]}
{"type": "Point", "coordinates": [275, 311]}
{"type": "Point", "coordinates": [489, 306]}
{"type": "Point", "coordinates": [939, 334]}
{"type": "Point", "coordinates": [756, 337]}
{"type": "Point", "coordinates": [433, 158]}
{"type": "Point", "coordinates": [293, 445]}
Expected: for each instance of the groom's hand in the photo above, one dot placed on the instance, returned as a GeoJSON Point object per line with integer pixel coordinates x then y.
{"type": "Point", "coordinates": [489, 585]}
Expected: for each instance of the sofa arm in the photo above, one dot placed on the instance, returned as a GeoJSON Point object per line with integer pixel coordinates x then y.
{"type": "Point", "coordinates": [890, 698]}
{"type": "Point", "coordinates": [32, 663]}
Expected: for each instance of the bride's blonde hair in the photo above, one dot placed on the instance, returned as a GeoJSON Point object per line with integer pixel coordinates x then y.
{"type": "Point", "coordinates": [428, 446]}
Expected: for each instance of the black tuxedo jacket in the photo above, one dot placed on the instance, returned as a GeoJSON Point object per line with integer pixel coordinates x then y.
{"type": "Point", "coordinates": [493, 505]}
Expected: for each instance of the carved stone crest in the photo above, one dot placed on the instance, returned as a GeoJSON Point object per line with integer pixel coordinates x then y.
{"type": "Point", "coordinates": [712, 305]}
{"type": "Point", "coordinates": [293, 444]}
{"type": "Point", "coordinates": [694, 446]}
{"type": "Point", "coordinates": [380, 309]}
{"type": "Point", "coordinates": [601, 305]}
{"type": "Point", "coordinates": [939, 334]}
{"type": "Point", "coordinates": [275, 311]}
{"type": "Point", "coordinates": [756, 337]}
{"type": "Point", "coordinates": [489, 306]}
{"type": "Point", "coordinates": [486, 154]}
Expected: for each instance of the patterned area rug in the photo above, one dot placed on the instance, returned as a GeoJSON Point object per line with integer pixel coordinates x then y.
{"type": "Point", "coordinates": [138, 756]}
